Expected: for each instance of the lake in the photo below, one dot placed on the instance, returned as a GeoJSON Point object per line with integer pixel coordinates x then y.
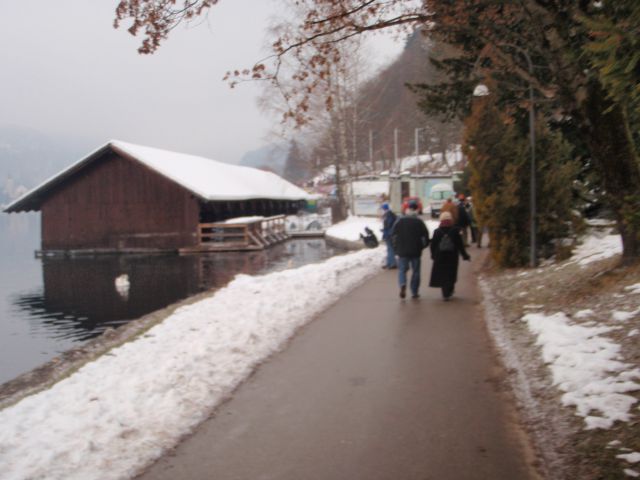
{"type": "Point", "coordinates": [50, 305]}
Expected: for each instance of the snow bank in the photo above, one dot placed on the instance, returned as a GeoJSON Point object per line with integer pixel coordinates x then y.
{"type": "Point", "coordinates": [586, 366]}
{"type": "Point", "coordinates": [633, 457]}
{"type": "Point", "coordinates": [123, 410]}
{"type": "Point", "coordinates": [353, 226]}
{"type": "Point", "coordinates": [594, 248]}
{"type": "Point", "coordinates": [635, 288]}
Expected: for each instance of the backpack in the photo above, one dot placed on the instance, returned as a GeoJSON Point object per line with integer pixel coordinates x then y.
{"type": "Point", "coordinates": [446, 244]}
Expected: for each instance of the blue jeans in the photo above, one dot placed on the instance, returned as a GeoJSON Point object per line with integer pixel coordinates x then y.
{"type": "Point", "coordinates": [391, 256]}
{"type": "Point", "coordinates": [404, 263]}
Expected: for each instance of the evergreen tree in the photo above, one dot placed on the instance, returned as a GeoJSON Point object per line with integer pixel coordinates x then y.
{"type": "Point", "coordinates": [499, 164]}
{"type": "Point", "coordinates": [296, 168]}
{"type": "Point", "coordinates": [545, 46]}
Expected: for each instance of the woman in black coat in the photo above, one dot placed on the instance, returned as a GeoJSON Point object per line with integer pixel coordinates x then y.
{"type": "Point", "coordinates": [446, 246]}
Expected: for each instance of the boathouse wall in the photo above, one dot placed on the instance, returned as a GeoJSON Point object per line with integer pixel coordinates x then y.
{"type": "Point", "coordinates": [119, 204]}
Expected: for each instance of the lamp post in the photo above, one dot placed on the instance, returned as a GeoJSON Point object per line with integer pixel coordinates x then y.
{"type": "Point", "coordinates": [482, 90]}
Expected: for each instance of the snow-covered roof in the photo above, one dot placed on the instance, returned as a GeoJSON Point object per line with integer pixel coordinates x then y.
{"type": "Point", "coordinates": [206, 178]}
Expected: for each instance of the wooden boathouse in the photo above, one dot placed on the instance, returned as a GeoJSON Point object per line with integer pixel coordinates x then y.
{"type": "Point", "coordinates": [130, 198]}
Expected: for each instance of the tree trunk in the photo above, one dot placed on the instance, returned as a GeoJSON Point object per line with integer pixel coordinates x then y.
{"type": "Point", "coordinates": [339, 212]}
{"type": "Point", "coordinates": [616, 162]}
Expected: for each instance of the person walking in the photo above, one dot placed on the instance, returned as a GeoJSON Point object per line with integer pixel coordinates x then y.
{"type": "Point", "coordinates": [462, 220]}
{"type": "Point", "coordinates": [409, 236]}
{"type": "Point", "coordinates": [446, 245]}
{"type": "Point", "coordinates": [452, 208]}
{"type": "Point", "coordinates": [473, 225]}
{"type": "Point", "coordinates": [388, 219]}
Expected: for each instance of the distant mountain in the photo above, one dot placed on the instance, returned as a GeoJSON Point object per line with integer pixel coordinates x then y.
{"type": "Point", "coordinates": [270, 157]}
{"type": "Point", "coordinates": [28, 157]}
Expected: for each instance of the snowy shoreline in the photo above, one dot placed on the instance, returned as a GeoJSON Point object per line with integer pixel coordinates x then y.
{"type": "Point", "coordinates": [133, 403]}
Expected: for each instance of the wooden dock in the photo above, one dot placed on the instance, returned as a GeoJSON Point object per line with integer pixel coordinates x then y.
{"type": "Point", "coordinates": [239, 236]}
{"type": "Point", "coordinates": [307, 234]}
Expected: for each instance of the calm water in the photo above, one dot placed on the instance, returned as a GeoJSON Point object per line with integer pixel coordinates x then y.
{"type": "Point", "coordinates": [50, 305]}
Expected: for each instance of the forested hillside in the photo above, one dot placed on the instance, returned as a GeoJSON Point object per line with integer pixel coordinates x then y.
{"type": "Point", "coordinates": [386, 103]}
{"type": "Point", "coordinates": [377, 122]}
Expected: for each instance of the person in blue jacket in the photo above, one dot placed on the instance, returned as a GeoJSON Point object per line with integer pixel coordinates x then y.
{"type": "Point", "coordinates": [388, 219]}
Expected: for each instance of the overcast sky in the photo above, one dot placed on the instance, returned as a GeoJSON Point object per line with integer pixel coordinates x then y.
{"type": "Point", "coordinates": [67, 72]}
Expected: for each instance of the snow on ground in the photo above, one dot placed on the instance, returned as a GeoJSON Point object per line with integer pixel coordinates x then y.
{"type": "Point", "coordinates": [595, 247]}
{"type": "Point", "coordinates": [123, 410]}
{"type": "Point", "coordinates": [635, 288]}
{"type": "Point", "coordinates": [586, 365]}
{"type": "Point", "coordinates": [620, 316]}
{"type": "Point", "coordinates": [633, 457]}
{"type": "Point", "coordinates": [584, 362]}
{"type": "Point", "coordinates": [354, 226]}
{"type": "Point", "coordinates": [587, 312]}
{"type": "Point", "coordinates": [587, 351]}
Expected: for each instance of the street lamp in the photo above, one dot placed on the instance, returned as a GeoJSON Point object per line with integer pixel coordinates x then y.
{"type": "Point", "coordinates": [482, 90]}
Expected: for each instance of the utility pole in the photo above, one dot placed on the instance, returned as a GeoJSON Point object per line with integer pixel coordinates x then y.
{"type": "Point", "coordinates": [417, 149]}
{"type": "Point", "coordinates": [373, 165]}
{"type": "Point", "coordinates": [395, 149]}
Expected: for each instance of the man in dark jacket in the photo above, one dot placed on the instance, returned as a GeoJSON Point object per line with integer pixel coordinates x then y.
{"type": "Point", "coordinates": [409, 236]}
{"type": "Point", "coordinates": [463, 221]}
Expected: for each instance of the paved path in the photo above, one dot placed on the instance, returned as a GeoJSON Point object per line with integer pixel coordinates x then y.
{"type": "Point", "coordinates": [375, 389]}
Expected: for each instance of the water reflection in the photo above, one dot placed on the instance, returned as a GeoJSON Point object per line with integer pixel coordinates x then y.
{"type": "Point", "coordinates": [80, 297]}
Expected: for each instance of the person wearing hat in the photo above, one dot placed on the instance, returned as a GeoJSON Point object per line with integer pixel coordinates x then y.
{"type": "Point", "coordinates": [446, 246]}
{"type": "Point", "coordinates": [450, 207]}
{"type": "Point", "coordinates": [388, 219]}
{"type": "Point", "coordinates": [473, 224]}
{"type": "Point", "coordinates": [409, 236]}
{"type": "Point", "coordinates": [462, 219]}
